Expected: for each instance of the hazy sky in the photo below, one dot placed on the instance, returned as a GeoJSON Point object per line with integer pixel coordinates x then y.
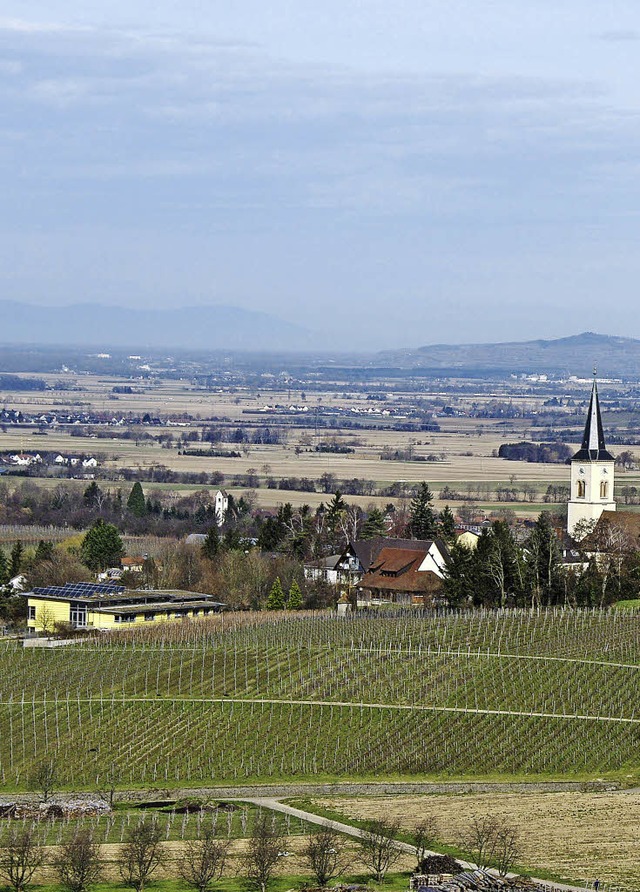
{"type": "Point", "coordinates": [387, 172]}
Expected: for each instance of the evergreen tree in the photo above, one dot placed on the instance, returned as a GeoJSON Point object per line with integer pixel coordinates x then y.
{"type": "Point", "coordinates": [211, 545]}
{"type": "Point", "coordinates": [543, 564]}
{"type": "Point", "coordinates": [4, 568]}
{"type": "Point", "coordinates": [136, 503]}
{"type": "Point", "coordinates": [460, 576]}
{"type": "Point", "coordinates": [335, 510]}
{"type": "Point", "coordinates": [44, 552]}
{"type": "Point", "coordinates": [374, 525]}
{"type": "Point", "coordinates": [102, 546]}
{"type": "Point", "coordinates": [422, 519]}
{"type": "Point", "coordinates": [15, 560]}
{"type": "Point", "coordinates": [275, 601]}
{"type": "Point", "coordinates": [447, 525]}
{"type": "Point", "coordinates": [295, 597]}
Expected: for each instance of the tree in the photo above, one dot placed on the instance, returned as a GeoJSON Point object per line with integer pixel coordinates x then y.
{"type": "Point", "coordinates": [492, 841]}
{"type": "Point", "coordinates": [211, 544]}
{"type": "Point", "coordinates": [422, 519]}
{"type": "Point", "coordinates": [263, 850]}
{"type": "Point", "coordinates": [140, 855]}
{"type": "Point", "coordinates": [324, 854]}
{"type": "Point", "coordinates": [15, 560]}
{"type": "Point", "coordinates": [203, 860]}
{"type": "Point", "coordinates": [4, 568]}
{"type": "Point", "coordinates": [93, 496]}
{"type": "Point", "coordinates": [425, 834]}
{"type": "Point", "coordinates": [275, 601]}
{"type": "Point", "coordinates": [108, 783]}
{"type": "Point", "coordinates": [44, 552]}
{"type": "Point", "coordinates": [447, 525]}
{"type": "Point", "coordinates": [44, 778]}
{"type": "Point", "coordinates": [136, 503]}
{"type": "Point", "coordinates": [374, 525]}
{"type": "Point", "coordinates": [378, 850]}
{"type": "Point", "coordinates": [102, 546]}
{"type": "Point", "coordinates": [543, 563]}
{"type": "Point", "coordinates": [78, 863]}
{"type": "Point", "coordinates": [21, 854]}
{"type": "Point", "coordinates": [294, 601]}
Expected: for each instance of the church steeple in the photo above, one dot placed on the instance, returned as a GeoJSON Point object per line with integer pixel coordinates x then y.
{"type": "Point", "coordinates": [593, 446]}
{"type": "Point", "coordinates": [592, 474]}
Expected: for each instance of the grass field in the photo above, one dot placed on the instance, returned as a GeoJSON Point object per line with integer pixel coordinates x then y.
{"type": "Point", "coordinates": [513, 694]}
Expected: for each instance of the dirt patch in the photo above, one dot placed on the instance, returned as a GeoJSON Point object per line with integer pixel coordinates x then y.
{"type": "Point", "coordinates": [578, 836]}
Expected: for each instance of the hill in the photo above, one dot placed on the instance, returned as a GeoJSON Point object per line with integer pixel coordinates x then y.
{"type": "Point", "coordinates": [575, 355]}
{"type": "Point", "coordinates": [196, 328]}
{"type": "Point", "coordinates": [257, 697]}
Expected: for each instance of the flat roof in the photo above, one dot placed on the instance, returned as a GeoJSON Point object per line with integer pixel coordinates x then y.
{"type": "Point", "coordinates": [159, 606]}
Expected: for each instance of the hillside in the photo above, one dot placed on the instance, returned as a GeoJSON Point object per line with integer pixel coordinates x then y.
{"type": "Point", "coordinates": [239, 698]}
{"type": "Point", "coordinates": [575, 355]}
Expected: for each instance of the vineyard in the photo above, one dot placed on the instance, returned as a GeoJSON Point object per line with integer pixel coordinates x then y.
{"type": "Point", "coordinates": [260, 696]}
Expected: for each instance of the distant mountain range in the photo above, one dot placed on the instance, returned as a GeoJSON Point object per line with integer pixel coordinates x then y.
{"type": "Point", "coordinates": [575, 355]}
{"type": "Point", "coordinates": [196, 328]}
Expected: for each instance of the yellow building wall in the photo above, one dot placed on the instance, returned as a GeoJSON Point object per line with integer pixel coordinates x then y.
{"type": "Point", "coordinates": [47, 613]}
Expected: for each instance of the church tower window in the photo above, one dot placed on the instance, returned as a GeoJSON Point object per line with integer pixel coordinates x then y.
{"type": "Point", "coordinates": [581, 489]}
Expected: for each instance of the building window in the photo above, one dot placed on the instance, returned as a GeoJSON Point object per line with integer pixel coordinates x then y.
{"type": "Point", "coordinates": [149, 617]}
{"type": "Point", "coordinates": [582, 488]}
{"type": "Point", "coordinates": [32, 612]}
{"type": "Point", "coordinates": [603, 489]}
{"type": "Point", "coordinates": [78, 616]}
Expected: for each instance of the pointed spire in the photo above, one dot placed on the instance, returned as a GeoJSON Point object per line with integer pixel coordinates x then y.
{"type": "Point", "coordinates": [593, 446]}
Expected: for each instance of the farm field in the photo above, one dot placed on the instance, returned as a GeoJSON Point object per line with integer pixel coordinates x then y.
{"type": "Point", "coordinates": [461, 454]}
{"type": "Point", "coordinates": [576, 837]}
{"type": "Point", "coordinates": [234, 699]}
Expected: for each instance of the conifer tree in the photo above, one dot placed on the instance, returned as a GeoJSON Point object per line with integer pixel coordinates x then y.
{"type": "Point", "coordinates": [295, 597]}
{"type": "Point", "coordinates": [422, 520]}
{"type": "Point", "coordinates": [447, 525]}
{"type": "Point", "coordinates": [136, 503]}
{"type": "Point", "coordinates": [211, 545]}
{"type": "Point", "coordinates": [4, 568]}
{"type": "Point", "coordinates": [275, 601]}
{"type": "Point", "coordinates": [374, 525]}
{"type": "Point", "coordinates": [15, 561]}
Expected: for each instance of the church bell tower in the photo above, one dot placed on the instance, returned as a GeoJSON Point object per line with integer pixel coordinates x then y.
{"type": "Point", "coordinates": [592, 472]}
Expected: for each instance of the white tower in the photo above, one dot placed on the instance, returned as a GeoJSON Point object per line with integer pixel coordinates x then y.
{"type": "Point", "coordinates": [592, 472]}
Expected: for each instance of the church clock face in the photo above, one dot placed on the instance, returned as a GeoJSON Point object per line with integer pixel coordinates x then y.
{"type": "Point", "coordinates": [581, 471]}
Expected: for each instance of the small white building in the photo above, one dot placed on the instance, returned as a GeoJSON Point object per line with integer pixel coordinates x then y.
{"type": "Point", "coordinates": [221, 506]}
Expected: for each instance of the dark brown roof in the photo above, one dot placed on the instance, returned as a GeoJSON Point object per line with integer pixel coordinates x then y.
{"type": "Point", "coordinates": [396, 569]}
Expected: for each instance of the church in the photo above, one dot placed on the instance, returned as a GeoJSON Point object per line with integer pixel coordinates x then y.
{"type": "Point", "coordinates": [592, 476]}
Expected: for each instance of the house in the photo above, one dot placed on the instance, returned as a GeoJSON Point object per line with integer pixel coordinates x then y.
{"type": "Point", "coordinates": [323, 569]}
{"type": "Point", "coordinates": [132, 564]}
{"type": "Point", "coordinates": [404, 571]}
{"type": "Point", "coordinates": [466, 537]}
{"type": "Point", "coordinates": [104, 606]}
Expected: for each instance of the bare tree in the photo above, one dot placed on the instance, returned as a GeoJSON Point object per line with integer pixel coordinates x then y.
{"type": "Point", "coordinates": [492, 841]}
{"type": "Point", "coordinates": [44, 778]}
{"type": "Point", "coordinates": [425, 834]}
{"type": "Point", "coordinates": [378, 851]}
{"type": "Point", "coordinates": [264, 847]}
{"type": "Point", "coordinates": [203, 860]}
{"type": "Point", "coordinates": [507, 849]}
{"type": "Point", "coordinates": [480, 840]}
{"type": "Point", "coordinates": [78, 863]}
{"type": "Point", "coordinates": [21, 854]}
{"type": "Point", "coordinates": [140, 855]}
{"type": "Point", "coordinates": [324, 854]}
{"type": "Point", "coordinates": [108, 783]}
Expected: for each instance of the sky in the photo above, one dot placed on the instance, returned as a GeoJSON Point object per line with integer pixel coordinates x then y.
{"type": "Point", "coordinates": [386, 174]}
